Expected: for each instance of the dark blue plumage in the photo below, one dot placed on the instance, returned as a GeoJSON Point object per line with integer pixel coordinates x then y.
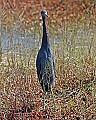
{"type": "Point", "coordinates": [45, 62]}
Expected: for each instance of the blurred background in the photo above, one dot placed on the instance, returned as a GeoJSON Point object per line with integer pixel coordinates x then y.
{"type": "Point", "coordinates": [72, 35]}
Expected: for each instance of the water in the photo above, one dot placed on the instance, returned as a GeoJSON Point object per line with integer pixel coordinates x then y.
{"type": "Point", "coordinates": [18, 42]}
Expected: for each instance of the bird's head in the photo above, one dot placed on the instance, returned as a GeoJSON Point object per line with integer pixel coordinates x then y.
{"type": "Point", "coordinates": [44, 13]}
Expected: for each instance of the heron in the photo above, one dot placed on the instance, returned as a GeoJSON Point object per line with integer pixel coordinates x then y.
{"type": "Point", "coordinates": [45, 62]}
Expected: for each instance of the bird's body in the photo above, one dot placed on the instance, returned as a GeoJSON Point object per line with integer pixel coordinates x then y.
{"type": "Point", "coordinates": [45, 69]}
{"type": "Point", "coordinates": [45, 62]}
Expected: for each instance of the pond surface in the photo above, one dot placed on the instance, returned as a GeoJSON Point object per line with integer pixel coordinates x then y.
{"type": "Point", "coordinates": [18, 42]}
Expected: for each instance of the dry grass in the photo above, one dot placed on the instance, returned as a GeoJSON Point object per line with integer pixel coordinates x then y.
{"type": "Point", "coordinates": [74, 94]}
{"type": "Point", "coordinates": [72, 26]}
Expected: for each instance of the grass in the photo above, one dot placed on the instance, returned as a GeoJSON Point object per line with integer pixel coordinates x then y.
{"type": "Point", "coordinates": [73, 42]}
{"type": "Point", "coordinates": [21, 94]}
{"type": "Point", "coordinates": [74, 47]}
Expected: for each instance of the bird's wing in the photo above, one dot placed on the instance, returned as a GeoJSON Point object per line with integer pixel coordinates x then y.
{"type": "Point", "coordinates": [48, 71]}
{"type": "Point", "coordinates": [40, 64]}
{"type": "Point", "coordinates": [54, 65]}
{"type": "Point", "coordinates": [46, 68]}
{"type": "Point", "coordinates": [46, 76]}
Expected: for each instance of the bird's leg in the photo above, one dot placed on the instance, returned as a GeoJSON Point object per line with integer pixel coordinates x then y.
{"type": "Point", "coordinates": [52, 94]}
{"type": "Point", "coordinates": [44, 100]}
{"type": "Point", "coordinates": [44, 96]}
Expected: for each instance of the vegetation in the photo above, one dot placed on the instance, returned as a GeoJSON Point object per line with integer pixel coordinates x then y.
{"type": "Point", "coordinates": [71, 26]}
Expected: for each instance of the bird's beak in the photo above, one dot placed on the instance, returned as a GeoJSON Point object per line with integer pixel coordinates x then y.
{"type": "Point", "coordinates": [46, 14]}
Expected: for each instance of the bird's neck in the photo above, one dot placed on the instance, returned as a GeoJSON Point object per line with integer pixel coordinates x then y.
{"type": "Point", "coordinates": [45, 39]}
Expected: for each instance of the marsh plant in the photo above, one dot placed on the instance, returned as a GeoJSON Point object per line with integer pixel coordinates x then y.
{"type": "Point", "coordinates": [72, 33]}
